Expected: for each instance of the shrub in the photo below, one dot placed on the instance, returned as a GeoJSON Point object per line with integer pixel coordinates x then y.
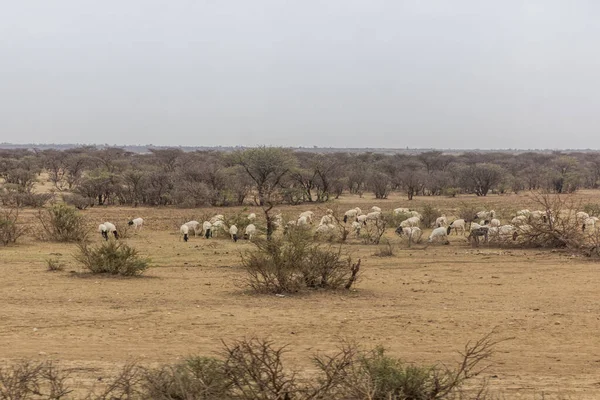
{"type": "Point", "coordinates": [385, 250]}
{"type": "Point", "coordinates": [10, 229]}
{"type": "Point", "coordinates": [78, 201]}
{"type": "Point", "coordinates": [112, 257]}
{"type": "Point", "coordinates": [294, 261]}
{"type": "Point", "coordinates": [394, 219]}
{"type": "Point", "coordinates": [373, 231]}
{"type": "Point", "coordinates": [592, 209]}
{"type": "Point", "coordinates": [54, 264]}
{"type": "Point", "coordinates": [30, 380]}
{"type": "Point", "coordinates": [429, 215]}
{"type": "Point", "coordinates": [62, 223]}
{"type": "Point", "coordinates": [467, 212]}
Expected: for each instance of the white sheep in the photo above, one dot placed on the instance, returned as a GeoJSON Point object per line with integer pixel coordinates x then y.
{"type": "Point", "coordinates": [457, 225]}
{"type": "Point", "coordinates": [519, 220]}
{"type": "Point", "coordinates": [415, 214]}
{"type": "Point", "coordinates": [413, 234]}
{"type": "Point", "coordinates": [233, 230]}
{"type": "Point", "coordinates": [207, 229]}
{"type": "Point", "coordinates": [350, 214]}
{"type": "Point", "coordinates": [249, 232]}
{"type": "Point", "coordinates": [302, 221]}
{"type": "Point", "coordinates": [218, 217]}
{"type": "Point", "coordinates": [324, 228]}
{"type": "Point", "coordinates": [103, 230]}
{"type": "Point", "coordinates": [525, 213]}
{"type": "Point", "coordinates": [308, 215]}
{"type": "Point", "coordinates": [374, 216]}
{"type": "Point", "coordinates": [137, 223]}
{"type": "Point", "coordinates": [589, 224]}
{"type": "Point", "coordinates": [581, 216]}
{"type": "Point", "coordinates": [439, 234]}
{"type": "Point", "coordinates": [218, 226]}
{"type": "Point", "coordinates": [184, 230]}
{"type": "Point", "coordinates": [362, 219]}
{"type": "Point", "coordinates": [494, 222]}
{"type": "Point", "coordinates": [409, 222]}
{"type": "Point", "coordinates": [195, 225]}
{"type": "Point", "coordinates": [401, 210]}
{"type": "Point", "coordinates": [375, 209]}
{"type": "Point", "coordinates": [251, 217]}
{"type": "Point", "coordinates": [111, 228]}
{"type": "Point", "coordinates": [356, 228]}
{"type": "Point", "coordinates": [441, 221]}
{"type": "Point", "coordinates": [326, 219]}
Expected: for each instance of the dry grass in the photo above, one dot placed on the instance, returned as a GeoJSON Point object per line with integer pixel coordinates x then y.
{"type": "Point", "coordinates": [421, 303]}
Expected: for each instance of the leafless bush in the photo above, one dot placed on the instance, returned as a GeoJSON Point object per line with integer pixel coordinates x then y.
{"type": "Point", "coordinates": [557, 228]}
{"type": "Point", "coordinates": [27, 380]}
{"type": "Point", "coordinates": [62, 223]}
{"type": "Point", "coordinates": [294, 262]}
{"type": "Point", "coordinates": [385, 250]}
{"type": "Point", "coordinates": [78, 201]}
{"type": "Point", "coordinates": [10, 228]}
{"type": "Point", "coordinates": [374, 230]}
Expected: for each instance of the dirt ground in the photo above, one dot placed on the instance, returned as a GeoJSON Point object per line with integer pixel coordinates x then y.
{"type": "Point", "coordinates": [423, 304]}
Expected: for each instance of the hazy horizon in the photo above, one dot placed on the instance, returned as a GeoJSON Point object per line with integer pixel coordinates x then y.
{"type": "Point", "coordinates": [458, 75]}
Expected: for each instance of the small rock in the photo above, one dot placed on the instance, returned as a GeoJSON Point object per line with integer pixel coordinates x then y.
{"type": "Point", "coordinates": [280, 295]}
{"type": "Point", "coordinates": [35, 329]}
{"type": "Point", "coordinates": [42, 353]}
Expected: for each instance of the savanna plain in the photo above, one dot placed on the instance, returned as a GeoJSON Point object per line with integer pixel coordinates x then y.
{"type": "Point", "coordinates": [423, 304]}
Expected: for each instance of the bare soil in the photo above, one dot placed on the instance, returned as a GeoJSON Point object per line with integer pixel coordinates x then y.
{"type": "Point", "coordinates": [423, 304]}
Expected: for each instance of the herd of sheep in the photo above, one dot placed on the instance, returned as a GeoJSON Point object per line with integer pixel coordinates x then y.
{"type": "Point", "coordinates": [489, 228]}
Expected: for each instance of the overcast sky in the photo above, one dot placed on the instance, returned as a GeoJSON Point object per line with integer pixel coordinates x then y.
{"type": "Point", "coordinates": [341, 73]}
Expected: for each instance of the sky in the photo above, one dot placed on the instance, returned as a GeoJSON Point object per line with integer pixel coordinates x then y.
{"type": "Point", "coordinates": [456, 74]}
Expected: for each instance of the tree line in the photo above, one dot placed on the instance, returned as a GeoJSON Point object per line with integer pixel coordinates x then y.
{"type": "Point", "coordinates": [88, 176]}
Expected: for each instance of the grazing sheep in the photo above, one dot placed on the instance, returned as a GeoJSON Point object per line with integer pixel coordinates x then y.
{"type": "Point", "coordinates": [329, 211]}
{"type": "Point", "coordinates": [103, 230]}
{"type": "Point", "coordinates": [589, 224]}
{"type": "Point", "coordinates": [302, 221]}
{"type": "Point", "coordinates": [218, 217]}
{"type": "Point", "coordinates": [441, 221]}
{"type": "Point", "coordinates": [457, 225]}
{"type": "Point", "coordinates": [218, 226]}
{"type": "Point", "coordinates": [415, 214]}
{"type": "Point", "coordinates": [413, 234]}
{"type": "Point", "coordinates": [308, 215]}
{"type": "Point", "coordinates": [537, 215]}
{"type": "Point", "coordinates": [409, 222]}
{"type": "Point", "coordinates": [356, 228]}
{"type": "Point", "coordinates": [401, 210]}
{"type": "Point", "coordinates": [375, 209]}
{"type": "Point", "coordinates": [251, 217]}
{"type": "Point", "coordinates": [374, 216]}
{"type": "Point", "coordinates": [476, 233]}
{"type": "Point", "coordinates": [324, 229]}
{"type": "Point", "coordinates": [519, 220]}
{"type": "Point", "coordinates": [137, 223]}
{"type": "Point", "coordinates": [581, 216]}
{"type": "Point", "coordinates": [350, 214]}
{"type": "Point", "coordinates": [249, 232]}
{"type": "Point", "coordinates": [184, 229]}
{"type": "Point", "coordinates": [525, 213]}
{"type": "Point", "coordinates": [362, 219]}
{"type": "Point", "coordinates": [207, 229]}
{"type": "Point", "coordinates": [233, 230]}
{"type": "Point", "coordinates": [111, 229]}
{"type": "Point", "coordinates": [439, 234]}
{"type": "Point", "coordinates": [494, 223]}
{"type": "Point", "coordinates": [326, 219]}
{"type": "Point", "coordinates": [195, 225]}
{"type": "Point", "coordinates": [485, 215]}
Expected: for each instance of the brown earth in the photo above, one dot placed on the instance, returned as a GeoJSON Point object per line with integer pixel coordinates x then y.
{"type": "Point", "coordinates": [424, 304]}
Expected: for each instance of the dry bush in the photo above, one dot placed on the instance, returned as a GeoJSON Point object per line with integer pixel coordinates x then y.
{"type": "Point", "coordinates": [592, 209]}
{"type": "Point", "coordinates": [429, 215]}
{"type": "Point", "coordinates": [251, 369]}
{"type": "Point", "coordinates": [10, 228]}
{"type": "Point", "coordinates": [112, 257]}
{"type": "Point", "coordinates": [78, 201]}
{"type": "Point", "coordinates": [468, 211]}
{"type": "Point", "coordinates": [31, 380]}
{"type": "Point", "coordinates": [559, 227]}
{"type": "Point", "coordinates": [386, 250]}
{"type": "Point", "coordinates": [373, 231]}
{"type": "Point", "coordinates": [62, 223]}
{"type": "Point", "coordinates": [14, 196]}
{"type": "Point", "coordinates": [201, 378]}
{"type": "Point", "coordinates": [394, 219]}
{"type": "Point", "coordinates": [294, 262]}
{"type": "Point", "coordinates": [54, 264]}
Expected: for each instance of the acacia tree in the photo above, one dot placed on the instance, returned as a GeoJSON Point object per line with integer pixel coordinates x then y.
{"type": "Point", "coordinates": [481, 178]}
{"type": "Point", "coordinates": [267, 167]}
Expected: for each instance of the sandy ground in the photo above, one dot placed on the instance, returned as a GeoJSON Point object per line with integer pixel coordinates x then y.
{"type": "Point", "coordinates": [423, 304]}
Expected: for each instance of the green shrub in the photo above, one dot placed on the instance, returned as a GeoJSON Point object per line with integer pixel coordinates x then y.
{"type": "Point", "coordinates": [62, 223]}
{"type": "Point", "coordinates": [429, 215]}
{"type": "Point", "coordinates": [112, 257]}
{"type": "Point", "coordinates": [294, 261]}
